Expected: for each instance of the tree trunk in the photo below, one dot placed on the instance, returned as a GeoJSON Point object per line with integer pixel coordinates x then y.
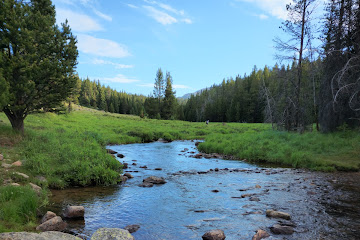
{"type": "Point", "coordinates": [16, 120]}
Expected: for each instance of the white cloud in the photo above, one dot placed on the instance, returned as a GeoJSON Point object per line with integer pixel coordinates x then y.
{"type": "Point", "coordinates": [179, 86]}
{"type": "Point", "coordinates": [164, 13]}
{"type": "Point", "coordinates": [276, 8]}
{"type": "Point", "coordinates": [132, 6]}
{"type": "Point", "coordinates": [160, 16]}
{"type": "Point", "coordinates": [186, 20]}
{"type": "Point", "coordinates": [102, 15]}
{"type": "Point", "coordinates": [77, 21]}
{"type": "Point", "coordinates": [120, 78]}
{"type": "Point", "coordinates": [262, 16]}
{"type": "Point", "coordinates": [101, 47]}
{"type": "Point", "coordinates": [97, 61]}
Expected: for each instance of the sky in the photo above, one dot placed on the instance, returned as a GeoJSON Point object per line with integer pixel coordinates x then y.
{"type": "Point", "coordinates": [123, 43]}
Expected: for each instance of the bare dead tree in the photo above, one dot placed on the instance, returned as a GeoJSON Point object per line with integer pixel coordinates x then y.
{"type": "Point", "coordinates": [298, 26]}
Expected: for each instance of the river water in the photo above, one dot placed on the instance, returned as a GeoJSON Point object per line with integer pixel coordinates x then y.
{"type": "Point", "coordinates": [195, 199]}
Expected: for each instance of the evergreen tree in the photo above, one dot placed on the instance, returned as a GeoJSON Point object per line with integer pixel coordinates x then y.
{"type": "Point", "coordinates": [340, 85]}
{"type": "Point", "coordinates": [37, 58]}
{"type": "Point", "coordinates": [169, 102]}
{"type": "Point", "coordinates": [159, 87]}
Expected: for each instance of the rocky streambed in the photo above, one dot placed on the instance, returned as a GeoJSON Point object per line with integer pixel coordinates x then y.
{"type": "Point", "coordinates": [204, 192]}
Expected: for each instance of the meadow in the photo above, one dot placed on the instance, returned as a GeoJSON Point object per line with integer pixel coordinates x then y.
{"type": "Point", "coordinates": [69, 150]}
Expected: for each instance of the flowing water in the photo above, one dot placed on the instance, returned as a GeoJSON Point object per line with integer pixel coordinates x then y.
{"type": "Point", "coordinates": [195, 199]}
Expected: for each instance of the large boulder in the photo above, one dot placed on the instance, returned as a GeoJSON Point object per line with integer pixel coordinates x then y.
{"type": "Point", "coordinates": [154, 180]}
{"type": "Point", "coordinates": [216, 234]}
{"type": "Point", "coordinates": [37, 236]}
{"type": "Point", "coordinates": [277, 214]}
{"type": "Point", "coordinates": [112, 234]}
{"type": "Point", "coordinates": [54, 224]}
{"type": "Point", "coordinates": [74, 212]}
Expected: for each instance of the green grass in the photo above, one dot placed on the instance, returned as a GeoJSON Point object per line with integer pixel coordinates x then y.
{"type": "Point", "coordinates": [69, 150]}
{"type": "Point", "coordinates": [312, 150]}
{"type": "Point", "coordinates": [18, 206]}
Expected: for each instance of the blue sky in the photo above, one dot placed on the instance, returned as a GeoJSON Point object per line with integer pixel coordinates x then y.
{"type": "Point", "coordinates": [200, 42]}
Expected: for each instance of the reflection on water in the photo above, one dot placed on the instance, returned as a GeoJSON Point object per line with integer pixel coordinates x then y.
{"type": "Point", "coordinates": [190, 204]}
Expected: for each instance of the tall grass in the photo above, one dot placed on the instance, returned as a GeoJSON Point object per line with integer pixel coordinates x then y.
{"type": "Point", "coordinates": [18, 206]}
{"type": "Point", "coordinates": [313, 150]}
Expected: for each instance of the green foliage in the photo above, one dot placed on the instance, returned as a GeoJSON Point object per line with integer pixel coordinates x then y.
{"type": "Point", "coordinates": [4, 93]}
{"type": "Point", "coordinates": [18, 206]}
{"type": "Point", "coordinates": [311, 150]}
{"type": "Point", "coordinates": [38, 75]}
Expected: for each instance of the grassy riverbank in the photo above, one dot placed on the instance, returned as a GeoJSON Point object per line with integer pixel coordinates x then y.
{"type": "Point", "coordinates": [69, 150]}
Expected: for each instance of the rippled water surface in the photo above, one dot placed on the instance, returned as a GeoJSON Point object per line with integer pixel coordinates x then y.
{"type": "Point", "coordinates": [323, 206]}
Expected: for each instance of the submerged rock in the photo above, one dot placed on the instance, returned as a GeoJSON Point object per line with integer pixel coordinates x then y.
{"type": "Point", "coordinates": [74, 212]}
{"type": "Point", "coordinates": [53, 224]}
{"type": "Point", "coordinates": [132, 228]}
{"type": "Point", "coordinates": [216, 234]}
{"type": "Point", "coordinates": [120, 155]}
{"type": "Point", "coordinates": [123, 178]}
{"type": "Point", "coordinates": [260, 234]}
{"type": "Point", "coordinates": [146, 184]}
{"type": "Point", "coordinates": [277, 214]}
{"type": "Point", "coordinates": [112, 234]}
{"type": "Point", "coordinates": [50, 235]}
{"type": "Point", "coordinates": [279, 229]}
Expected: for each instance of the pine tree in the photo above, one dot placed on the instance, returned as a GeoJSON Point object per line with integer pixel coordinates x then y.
{"type": "Point", "coordinates": [169, 102]}
{"type": "Point", "coordinates": [159, 87]}
{"type": "Point", "coordinates": [37, 58]}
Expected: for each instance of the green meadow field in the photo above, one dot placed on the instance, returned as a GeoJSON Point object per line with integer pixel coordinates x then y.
{"type": "Point", "coordinates": [69, 150]}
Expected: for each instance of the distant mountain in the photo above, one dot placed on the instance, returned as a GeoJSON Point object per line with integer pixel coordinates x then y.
{"type": "Point", "coordinates": [188, 95]}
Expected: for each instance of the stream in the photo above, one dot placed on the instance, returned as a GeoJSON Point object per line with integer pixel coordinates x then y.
{"type": "Point", "coordinates": [195, 199]}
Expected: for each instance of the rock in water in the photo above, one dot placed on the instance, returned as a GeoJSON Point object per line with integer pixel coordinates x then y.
{"type": "Point", "coordinates": [111, 151]}
{"type": "Point", "coordinates": [132, 228]}
{"type": "Point", "coordinates": [277, 214]}
{"type": "Point", "coordinates": [112, 234]}
{"type": "Point", "coordinates": [216, 234]}
{"type": "Point", "coordinates": [128, 175]}
{"type": "Point", "coordinates": [154, 180]}
{"type": "Point", "coordinates": [74, 212]}
{"type": "Point", "coordinates": [260, 234]}
{"type": "Point", "coordinates": [278, 229]}
{"type": "Point", "coordinates": [48, 215]}
{"type": "Point", "coordinates": [54, 224]}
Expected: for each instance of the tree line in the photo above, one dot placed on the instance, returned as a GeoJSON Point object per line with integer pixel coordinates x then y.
{"type": "Point", "coordinates": [321, 84]}
{"type": "Point", "coordinates": [95, 95]}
